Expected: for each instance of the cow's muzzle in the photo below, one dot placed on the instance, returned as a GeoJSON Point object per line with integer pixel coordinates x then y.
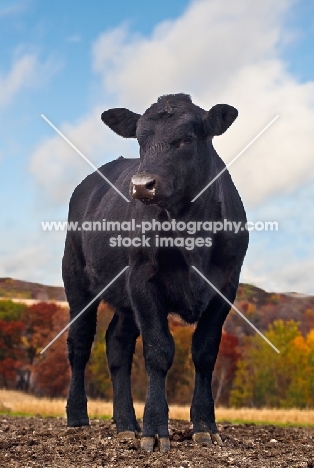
{"type": "Point", "coordinates": [143, 187]}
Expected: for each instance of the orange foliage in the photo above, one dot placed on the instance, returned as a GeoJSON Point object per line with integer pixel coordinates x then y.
{"type": "Point", "coordinates": [10, 352]}
{"type": "Point", "coordinates": [225, 368]}
{"type": "Point", "coordinates": [52, 372]}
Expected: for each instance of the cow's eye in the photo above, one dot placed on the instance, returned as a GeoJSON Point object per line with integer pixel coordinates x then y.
{"type": "Point", "coordinates": [186, 140]}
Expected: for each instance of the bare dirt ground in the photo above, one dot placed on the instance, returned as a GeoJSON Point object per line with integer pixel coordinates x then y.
{"type": "Point", "coordinates": [46, 442]}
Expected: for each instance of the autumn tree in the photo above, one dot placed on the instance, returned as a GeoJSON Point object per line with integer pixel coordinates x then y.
{"type": "Point", "coordinates": [180, 379]}
{"type": "Point", "coordinates": [51, 372]}
{"type": "Point", "coordinates": [11, 328]}
{"type": "Point", "coordinates": [38, 322]}
{"type": "Point", "coordinates": [307, 321]}
{"type": "Point", "coordinates": [225, 368]}
{"type": "Point", "coordinates": [10, 350]}
{"type": "Point", "coordinates": [98, 382]}
{"type": "Point", "coordinates": [11, 311]}
{"type": "Point", "coordinates": [300, 392]}
{"type": "Point", "coordinates": [265, 378]}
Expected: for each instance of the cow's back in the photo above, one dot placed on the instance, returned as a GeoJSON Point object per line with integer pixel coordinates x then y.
{"type": "Point", "coordinates": [95, 186]}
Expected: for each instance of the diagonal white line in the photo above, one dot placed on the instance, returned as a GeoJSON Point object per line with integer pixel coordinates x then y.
{"type": "Point", "coordinates": [83, 310]}
{"type": "Point", "coordinates": [235, 158]}
{"type": "Point", "coordinates": [237, 310]}
{"type": "Point", "coordinates": [84, 157]}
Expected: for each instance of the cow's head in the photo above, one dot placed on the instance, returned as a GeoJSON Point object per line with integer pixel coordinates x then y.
{"type": "Point", "coordinates": [175, 146]}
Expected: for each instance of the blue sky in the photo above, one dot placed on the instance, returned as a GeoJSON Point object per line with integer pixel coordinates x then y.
{"type": "Point", "coordinates": [70, 61]}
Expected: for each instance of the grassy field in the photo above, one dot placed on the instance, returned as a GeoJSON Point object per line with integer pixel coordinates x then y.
{"type": "Point", "coordinates": [12, 402]}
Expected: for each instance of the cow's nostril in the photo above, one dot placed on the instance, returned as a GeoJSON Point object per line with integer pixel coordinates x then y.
{"type": "Point", "coordinates": [143, 186]}
{"type": "Point", "coordinates": [150, 185]}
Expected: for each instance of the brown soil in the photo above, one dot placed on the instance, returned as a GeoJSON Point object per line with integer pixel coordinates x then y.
{"type": "Point", "coordinates": [46, 442]}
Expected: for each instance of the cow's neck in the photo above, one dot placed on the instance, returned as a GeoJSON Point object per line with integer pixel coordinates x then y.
{"type": "Point", "coordinates": [208, 208]}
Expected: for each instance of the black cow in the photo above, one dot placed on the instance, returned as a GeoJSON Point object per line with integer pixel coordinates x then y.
{"type": "Point", "coordinates": [177, 160]}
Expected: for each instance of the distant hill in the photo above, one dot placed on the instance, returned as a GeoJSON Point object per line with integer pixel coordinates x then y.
{"type": "Point", "coordinates": [259, 306]}
{"type": "Point", "coordinates": [263, 308]}
{"type": "Point", "coordinates": [16, 289]}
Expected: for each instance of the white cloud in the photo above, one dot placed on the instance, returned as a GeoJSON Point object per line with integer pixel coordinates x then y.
{"type": "Point", "coordinates": [59, 168]}
{"type": "Point", "coordinates": [283, 260]}
{"type": "Point", "coordinates": [26, 72]}
{"type": "Point", "coordinates": [284, 273]}
{"type": "Point", "coordinates": [37, 257]}
{"type": "Point", "coordinates": [200, 51]}
{"type": "Point", "coordinates": [29, 263]}
{"type": "Point", "coordinates": [223, 55]}
{"type": "Point", "coordinates": [217, 55]}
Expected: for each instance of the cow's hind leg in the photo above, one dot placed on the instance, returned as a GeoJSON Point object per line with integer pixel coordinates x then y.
{"type": "Point", "coordinates": [205, 346]}
{"type": "Point", "coordinates": [120, 345]}
{"type": "Point", "coordinates": [80, 340]}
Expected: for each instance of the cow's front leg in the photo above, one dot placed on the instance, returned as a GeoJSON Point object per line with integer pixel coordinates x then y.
{"type": "Point", "coordinates": [158, 345]}
{"type": "Point", "coordinates": [205, 346]}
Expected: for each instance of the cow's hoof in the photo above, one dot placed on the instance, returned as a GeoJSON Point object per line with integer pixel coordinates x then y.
{"type": "Point", "coordinates": [160, 443]}
{"type": "Point", "coordinates": [147, 444]}
{"type": "Point", "coordinates": [126, 435]}
{"type": "Point", "coordinates": [202, 437]}
{"type": "Point", "coordinates": [163, 444]}
{"type": "Point", "coordinates": [82, 422]}
{"type": "Point", "coordinates": [216, 439]}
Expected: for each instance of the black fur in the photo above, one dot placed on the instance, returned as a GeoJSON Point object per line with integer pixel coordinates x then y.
{"type": "Point", "coordinates": [175, 138]}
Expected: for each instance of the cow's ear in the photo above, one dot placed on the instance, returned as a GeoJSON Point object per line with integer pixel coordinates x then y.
{"type": "Point", "coordinates": [121, 121]}
{"type": "Point", "coordinates": [219, 118]}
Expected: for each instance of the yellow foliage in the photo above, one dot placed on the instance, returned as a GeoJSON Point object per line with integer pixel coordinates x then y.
{"type": "Point", "coordinates": [264, 378]}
